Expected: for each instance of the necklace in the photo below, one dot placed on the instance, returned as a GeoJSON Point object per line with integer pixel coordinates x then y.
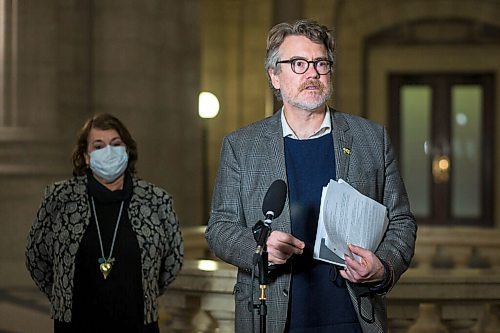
{"type": "Point", "coordinates": [105, 264]}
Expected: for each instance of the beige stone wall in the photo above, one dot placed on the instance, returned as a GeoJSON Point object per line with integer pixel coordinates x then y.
{"type": "Point", "coordinates": [137, 60]}
{"type": "Point", "coordinates": [41, 83]}
{"type": "Point", "coordinates": [233, 49]}
{"type": "Point", "coordinates": [145, 69]}
{"type": "Point", "coordinates": [146, 62]}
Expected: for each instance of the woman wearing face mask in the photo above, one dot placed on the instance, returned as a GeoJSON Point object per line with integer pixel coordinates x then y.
{"type": "Point", "coordinates": [104, 243]}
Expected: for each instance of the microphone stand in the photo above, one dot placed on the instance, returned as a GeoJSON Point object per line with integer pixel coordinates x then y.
{"type": "Point", "coordinates": [261, 232]}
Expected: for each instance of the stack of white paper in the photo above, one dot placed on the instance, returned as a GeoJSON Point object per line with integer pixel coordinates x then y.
{"type": "Point", "coordinates": [347, 217]}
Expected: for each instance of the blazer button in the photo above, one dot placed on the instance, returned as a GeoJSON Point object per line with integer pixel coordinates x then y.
{"type": "Point", "coordinates": [285, 292]}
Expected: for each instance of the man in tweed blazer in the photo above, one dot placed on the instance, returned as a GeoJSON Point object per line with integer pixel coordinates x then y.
{"type": "Point", "coordinates": [299, 61]}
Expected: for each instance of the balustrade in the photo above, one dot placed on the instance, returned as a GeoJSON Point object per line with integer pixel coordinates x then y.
{"type": "Point", "coordinates": [457, 247]}
{"type": "Point", "coordinates": [452, 287]}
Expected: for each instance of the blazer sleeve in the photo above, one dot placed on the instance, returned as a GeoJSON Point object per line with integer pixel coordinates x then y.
{"type": "Point", "coordinates": [39, 245]}
{"type": "Point", "coordinates": [398, 245]}
{"type": "Point", "coordinates": [173, 257]}
{"type": "Point", "coordinates": [227, 232]}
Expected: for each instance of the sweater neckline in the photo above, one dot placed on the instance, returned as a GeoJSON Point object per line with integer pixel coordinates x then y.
{"type": "Point", "coordinates": [104, 195]}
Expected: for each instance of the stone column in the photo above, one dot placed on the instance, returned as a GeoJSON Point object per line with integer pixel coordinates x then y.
{"type": "Point", "coordinates": [145, 70]}
{"type": "Point", "coordinates": [34, 141]}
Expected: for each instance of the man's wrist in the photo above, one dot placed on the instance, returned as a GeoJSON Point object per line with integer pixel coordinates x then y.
{"type": "Point", "coordinates": [386, 280]}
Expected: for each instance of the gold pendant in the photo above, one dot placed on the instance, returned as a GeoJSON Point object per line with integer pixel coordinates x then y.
{"type": "Point", "coordinates": [106, 266]}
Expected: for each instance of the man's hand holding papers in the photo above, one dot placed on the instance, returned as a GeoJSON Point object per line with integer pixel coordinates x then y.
{"type": "Point", "coordinates": [347, 217]}
{"type": "Point", "coordinates": [368, 269]}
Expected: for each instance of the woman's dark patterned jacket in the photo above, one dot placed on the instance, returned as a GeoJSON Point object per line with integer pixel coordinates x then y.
{"type": "Point", "coordinates": [61, 221]}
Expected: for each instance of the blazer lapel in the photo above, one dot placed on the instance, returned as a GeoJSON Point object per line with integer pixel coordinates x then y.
{"type": "Point", "coordinates": [275, 165]}
{"type": "Point", "coordinates": [342, 141]}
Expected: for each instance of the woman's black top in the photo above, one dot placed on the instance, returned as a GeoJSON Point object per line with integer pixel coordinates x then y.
{"type": "Point", "coordinates": [114, 304]}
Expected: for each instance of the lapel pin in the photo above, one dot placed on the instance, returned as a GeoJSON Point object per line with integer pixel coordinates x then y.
{"type": "Point", "coordinates": [346, 151]}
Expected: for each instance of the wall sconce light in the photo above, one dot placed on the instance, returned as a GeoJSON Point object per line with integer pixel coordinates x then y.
{"type": "Point", "coordinates": [208, 105]}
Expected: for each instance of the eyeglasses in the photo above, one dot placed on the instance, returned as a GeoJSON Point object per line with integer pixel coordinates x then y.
{"type": "Point", "coordinates": [300, 66]}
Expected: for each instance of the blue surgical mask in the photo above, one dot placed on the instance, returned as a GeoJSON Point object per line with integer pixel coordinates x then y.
{"type": "Point", "coordinates": [109, 163]}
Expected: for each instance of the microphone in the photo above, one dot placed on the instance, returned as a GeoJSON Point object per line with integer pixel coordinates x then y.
{"type": "Point", "coordinates": [274, 201]}
{"type": "Point", "coordinates": [272, 206]}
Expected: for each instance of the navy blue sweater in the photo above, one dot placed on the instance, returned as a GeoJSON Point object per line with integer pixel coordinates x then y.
{"type": "Point", "coordinates": [319, 301]}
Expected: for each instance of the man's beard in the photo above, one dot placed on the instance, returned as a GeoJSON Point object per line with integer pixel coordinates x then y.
{"type": "Point", "coordinates": [308, 103]}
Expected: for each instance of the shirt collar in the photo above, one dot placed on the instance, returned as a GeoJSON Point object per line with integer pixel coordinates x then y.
{"type": "Point", "coordinates": [324, 129]}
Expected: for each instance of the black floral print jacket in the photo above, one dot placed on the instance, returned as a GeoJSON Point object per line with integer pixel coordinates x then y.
{"type": "Point", "coordinates": [61, 221]}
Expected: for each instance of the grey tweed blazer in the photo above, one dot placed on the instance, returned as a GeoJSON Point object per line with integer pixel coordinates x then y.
{"type": "Point", "coordinates": [253, 157]}
{"type": "Point", "coordinates": [61, 221]}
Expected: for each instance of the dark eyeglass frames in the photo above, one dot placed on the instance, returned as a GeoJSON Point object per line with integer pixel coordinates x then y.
{"type": "Point", "coordinates": [300, 66]}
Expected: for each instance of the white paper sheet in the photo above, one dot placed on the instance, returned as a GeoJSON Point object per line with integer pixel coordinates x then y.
{"type": "Point", "coordinates": [347, 217]}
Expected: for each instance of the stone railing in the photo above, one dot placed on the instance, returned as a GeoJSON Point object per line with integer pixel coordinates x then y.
{"type": "Point", "coordinates": [447, 300]}
{"type": "Point", "coordinates": [462, 296]}
{"type": "Point", "coordinates": [200, 299]}
{"type": "Point", "coordinates": [439, 301]}
{"type": "Point", "coordinates": [458, 247]}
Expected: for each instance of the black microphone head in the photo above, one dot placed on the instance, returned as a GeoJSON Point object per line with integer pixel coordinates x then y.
{"type": "Point", "coordinates": [275, 198]}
